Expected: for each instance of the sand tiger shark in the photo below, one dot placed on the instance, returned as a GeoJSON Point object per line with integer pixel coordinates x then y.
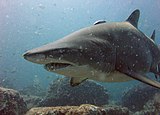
{"type": "Point", "coordinates": [106, 52]}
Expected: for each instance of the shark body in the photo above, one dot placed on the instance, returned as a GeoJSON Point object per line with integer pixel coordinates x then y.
{"type": "Point", "coordinates": [107, 52]}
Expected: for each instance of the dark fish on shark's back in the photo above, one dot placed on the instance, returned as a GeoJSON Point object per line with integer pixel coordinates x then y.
{"type": "Point", "coordinates": [109, 52]}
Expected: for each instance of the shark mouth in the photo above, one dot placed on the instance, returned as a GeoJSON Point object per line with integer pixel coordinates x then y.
{"type": "Point", "coordinates": [55, 66]}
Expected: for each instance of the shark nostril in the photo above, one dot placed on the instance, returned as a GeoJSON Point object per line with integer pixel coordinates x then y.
{"type": "Point", "coordinates": [25, 55]}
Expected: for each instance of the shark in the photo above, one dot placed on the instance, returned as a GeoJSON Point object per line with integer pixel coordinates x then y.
{"type": "Point", "coordinates": [104, 51]}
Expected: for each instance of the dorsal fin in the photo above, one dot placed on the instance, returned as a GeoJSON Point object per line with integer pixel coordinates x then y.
{"type": "Point", "coordinates": [134, 17]}
{"type": "Point", "coordinates": [153, 36]}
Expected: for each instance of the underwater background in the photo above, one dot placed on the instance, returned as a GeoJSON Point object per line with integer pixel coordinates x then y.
{"type": "Point", "coordinates": [27, 24]}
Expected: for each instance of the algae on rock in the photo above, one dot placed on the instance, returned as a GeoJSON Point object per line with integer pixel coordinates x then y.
{"type": "Point", "coordinates": [61, 94]}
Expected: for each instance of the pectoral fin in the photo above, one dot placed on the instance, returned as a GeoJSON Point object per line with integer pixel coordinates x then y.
{"type": "Point", "coordinates": [76, 81]}
{"type": "Point", "coordinates": [142, 78]}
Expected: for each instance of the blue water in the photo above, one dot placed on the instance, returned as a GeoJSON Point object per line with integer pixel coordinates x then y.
{"type": "Point", "coordinates": [26, 24]}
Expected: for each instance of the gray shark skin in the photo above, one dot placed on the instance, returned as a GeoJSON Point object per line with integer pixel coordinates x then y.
{"type": "Point", "coordinates": [107, 52]}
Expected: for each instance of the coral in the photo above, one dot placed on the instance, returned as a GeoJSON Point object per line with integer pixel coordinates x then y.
{"type": "Point", "coordinates": [137, 97]}
{"type": "Point", "coordinates": [11, 103]}
{"type": "Point", "coordinates": [61, 94]}
{"type": "Point", "coordinates": [85, 109]}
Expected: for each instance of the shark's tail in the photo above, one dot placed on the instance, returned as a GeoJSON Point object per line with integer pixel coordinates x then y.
{"type": "Point", "coordinates": [156, 70]}
{"type": "Point", "coordinates": [158, 66]}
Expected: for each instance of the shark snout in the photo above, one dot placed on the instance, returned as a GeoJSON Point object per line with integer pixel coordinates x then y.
{"type": "Point", "coordinates": [34, 57]}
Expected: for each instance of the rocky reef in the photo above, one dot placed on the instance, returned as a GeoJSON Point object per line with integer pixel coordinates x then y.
{"type": "Point", "coordinates": [62, 94]}
{"type": "Point", "coordinates": [85, 109]}
{"type": "Point", "coordinates": [31, 100]}
{"type": "Point", "coordinates": [152, 107]}
{"type": "Point", "coordinates": [11, 103]}
{"type": "Point", "coordinates": [34, 89]}
{"type": "Point", "coordinates": [89, 98]}
{"type": "Point", "coordinates": [64, 99]}
{"type": "Point", "coordinates": [136, 98]}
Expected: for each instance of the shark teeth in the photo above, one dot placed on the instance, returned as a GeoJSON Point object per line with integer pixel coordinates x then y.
{"type": "Point", "coordinates": [55, 66]}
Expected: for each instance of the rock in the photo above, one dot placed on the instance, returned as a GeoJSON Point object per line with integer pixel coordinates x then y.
{"type": "Point", "coordinates": [35, 89]}
{"type": "Point", "coordinates": [11, 103]}
{"type": "Point", "coordinates": [145, 112]}
{"type": "Point", "coordinates": [152, 107]}
{"type": "Point", "coordinates": [156, 101]}
{"type": "Point", "coordinates": [32, 101]}
{"type": "Point", "coordinates": [6, 81]}
{"type": "Point", "coordinates": [62, 94]}
{"type": "Point", "coordinates": [137, 97]}
{"type": "Point", "coordinates": [84, 109]}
